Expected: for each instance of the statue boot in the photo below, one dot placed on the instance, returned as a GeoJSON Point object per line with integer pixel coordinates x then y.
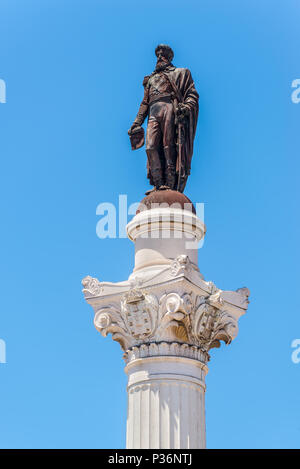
{"type": "Point", "coordinates": [155, 168]}
{"type": "Point", "coordinates": [170, 155]}
{"type": "Point", "coordinates": [157, 179]}
{"type": "Point", "coordinates": [171, 178]}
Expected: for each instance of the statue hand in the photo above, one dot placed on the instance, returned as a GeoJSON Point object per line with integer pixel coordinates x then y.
{"type": "Point", "coordinates": [133, 127]}
{"type": "Point", "coordinates": [182, 109]}
{"type": "Point", "coordinates": [181, 112]}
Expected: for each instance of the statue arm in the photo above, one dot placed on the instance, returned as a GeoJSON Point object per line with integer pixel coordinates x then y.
{"type": "Point", "coordinates": [143, 110]}
{"type": "Point", "coordinates": [191, 96]}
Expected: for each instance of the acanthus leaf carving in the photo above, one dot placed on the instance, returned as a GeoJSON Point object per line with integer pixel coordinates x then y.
{"type": "Point", "coordinates": [226, 329]}
{"type": "Point", "coordinates": [141, 318]}
{"type": "Point", "coordinates": [108, 320]}
{"type": "Point", "coordinates": [171, 315]}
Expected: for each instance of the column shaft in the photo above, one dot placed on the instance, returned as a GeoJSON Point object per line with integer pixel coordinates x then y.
{"type": "Point", "coordinates": [166, 408]}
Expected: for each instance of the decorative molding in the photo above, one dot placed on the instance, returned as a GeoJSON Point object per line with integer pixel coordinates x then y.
{"type": "Point", "coordinates": [180, 265]}
{"type": "Point", "coordinates": [162, 349]}
{"type": "Point", "coordinates": [245, 293]}
{"type": "Point", "coordinates": [142, 319]}
{"type": "Point", "coordinates": [147, 222]}
{"type": "Point", "coordinates": [91, 286]}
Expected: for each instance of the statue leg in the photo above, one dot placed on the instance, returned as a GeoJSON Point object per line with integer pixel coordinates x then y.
{"type": "Point", "coordinates": [155, 167]}
{"type": "Point", "coordinates": [170, 169]}
{"type": "Point", "coordinates": [153, 139]}
{"type": "Point", "coordinates": [169, 146]}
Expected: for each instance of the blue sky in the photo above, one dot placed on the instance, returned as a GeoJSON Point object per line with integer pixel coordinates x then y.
{"type": "Point", "coordinates": [74, 72]}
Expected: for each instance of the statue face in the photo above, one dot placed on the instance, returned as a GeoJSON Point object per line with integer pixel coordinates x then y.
{"type": "Point", "coordinates": [162, 57]}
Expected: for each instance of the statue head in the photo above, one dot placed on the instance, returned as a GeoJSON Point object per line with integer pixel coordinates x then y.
{"type": "Point", "coordinates": [164, 54]}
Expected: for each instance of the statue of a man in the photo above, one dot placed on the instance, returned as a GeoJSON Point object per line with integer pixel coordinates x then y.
{"type": "Point", "coordinates": [171, 104]}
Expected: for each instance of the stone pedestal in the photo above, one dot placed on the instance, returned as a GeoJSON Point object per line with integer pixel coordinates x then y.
{"type": "Point", "coordinates": [166, 318]}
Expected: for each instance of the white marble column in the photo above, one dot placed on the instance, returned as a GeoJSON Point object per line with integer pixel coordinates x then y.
{"type": "Point", "coordinates": [166, 318]}
{"type": "Point", "coordinates": [166, 407]}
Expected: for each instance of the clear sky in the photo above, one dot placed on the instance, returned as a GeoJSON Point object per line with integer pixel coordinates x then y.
{"type": "Point", "coordinates": [73, 71]}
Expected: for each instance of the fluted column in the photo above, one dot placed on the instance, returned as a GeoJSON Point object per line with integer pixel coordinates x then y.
{"type": "Point", "coordinates": [166, 407]}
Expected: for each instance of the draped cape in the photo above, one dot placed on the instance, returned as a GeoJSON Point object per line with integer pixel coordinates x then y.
{"type": "Point", "coordinates": [182, 79]}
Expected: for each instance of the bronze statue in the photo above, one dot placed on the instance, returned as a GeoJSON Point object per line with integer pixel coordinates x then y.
{"type": "Point", "coordinates": [171, 104]}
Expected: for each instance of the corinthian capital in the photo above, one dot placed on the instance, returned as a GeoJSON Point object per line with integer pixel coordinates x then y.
{"type": "Point", "coordinates": [188, 319]}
